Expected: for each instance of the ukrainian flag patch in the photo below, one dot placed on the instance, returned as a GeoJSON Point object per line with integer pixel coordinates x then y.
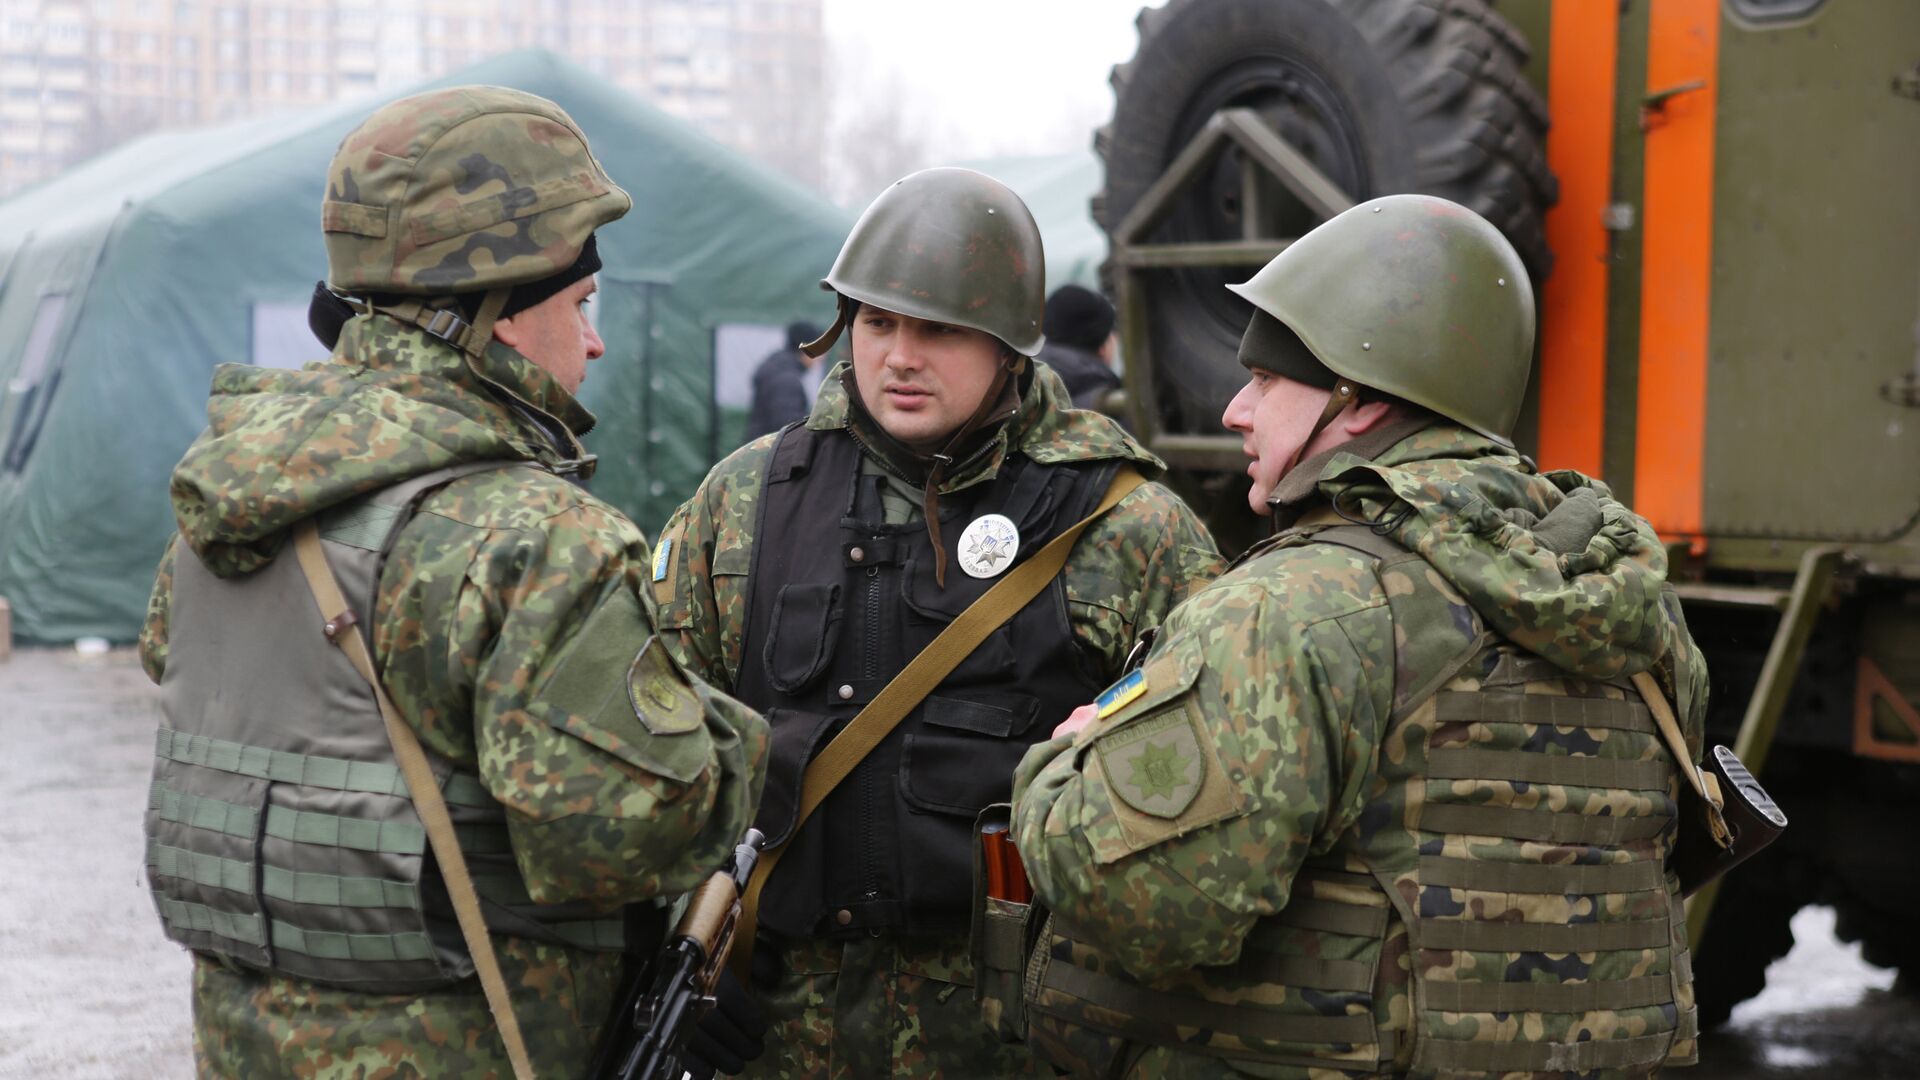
{"type": "Point", "coordinates": [662, 558]}
{"type": "Point", "coordinates": [1120, 694]}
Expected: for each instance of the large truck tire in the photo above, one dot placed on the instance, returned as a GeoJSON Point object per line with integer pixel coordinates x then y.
{"type": "Point", "coordinates": [1875, 876]}
{"type": "Point", "coordinates": [1383, 96]}
{"type": "Point", "coordinates": [1750, 928]}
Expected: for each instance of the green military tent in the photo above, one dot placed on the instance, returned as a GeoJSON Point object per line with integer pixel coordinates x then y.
{"type": "Point", "coordinates": [124, 281]}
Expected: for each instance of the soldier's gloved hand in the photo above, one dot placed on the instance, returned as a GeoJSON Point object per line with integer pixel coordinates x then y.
{"type": "Point", "coordinates": [729, 1036]}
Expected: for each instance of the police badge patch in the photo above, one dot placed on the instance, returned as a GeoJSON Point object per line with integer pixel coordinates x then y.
{"type": "Point", "coordinates": [1156, 766]}
{"type": "Point", "coordinates": [988, 546]}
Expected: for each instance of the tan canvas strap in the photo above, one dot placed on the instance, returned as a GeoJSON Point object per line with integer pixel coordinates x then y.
{"type": "Point", "coordinates": [425, 790]}
{"type": "Point", "coordinates": [1704, 784]}
{"type": "Point", "coordinates": [907, 689]}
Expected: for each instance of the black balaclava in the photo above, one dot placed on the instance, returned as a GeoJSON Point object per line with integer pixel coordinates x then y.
{"type": "Point", "coordinates": [1271, 345]}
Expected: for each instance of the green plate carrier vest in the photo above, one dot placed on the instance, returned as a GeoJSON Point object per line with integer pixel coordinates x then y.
{"type": "Point", "coordinates": [1502, 903]}
{"type": "Point", "coordinates": [280, 835]}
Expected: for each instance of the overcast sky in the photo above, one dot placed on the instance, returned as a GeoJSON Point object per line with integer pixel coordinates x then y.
{"type": "Point", "coordinates": [993, 77]}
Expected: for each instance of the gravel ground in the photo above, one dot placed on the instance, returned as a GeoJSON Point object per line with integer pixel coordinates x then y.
{"type": "Point", "coordinates": [90, 988]}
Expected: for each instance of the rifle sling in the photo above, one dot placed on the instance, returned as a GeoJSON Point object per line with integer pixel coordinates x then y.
{"type": "Point", "coordinates": [906, 690]}
{"type": "Point", "coordinates": [425, 791]}
{"type": "Point", "coordinates": [1704, 783]}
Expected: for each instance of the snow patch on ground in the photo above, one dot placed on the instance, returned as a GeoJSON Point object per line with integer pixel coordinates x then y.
{"type": "Point", "coordinates": [1820, 973]}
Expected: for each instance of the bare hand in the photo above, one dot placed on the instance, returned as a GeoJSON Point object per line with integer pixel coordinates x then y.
{"type": "Point", "coordinates": [1081, 717]}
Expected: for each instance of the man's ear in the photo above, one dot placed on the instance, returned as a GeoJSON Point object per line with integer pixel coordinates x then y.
{"type": "Point", "coordinates": [1365, 416]}
{"type": "Point", "coordinates": [507, 332]}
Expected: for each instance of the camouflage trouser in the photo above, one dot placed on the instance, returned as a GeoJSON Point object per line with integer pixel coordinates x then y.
{"type": "Point", "coordinates": [881, 1007]}
{"type": "Point", "coordinates": [249, 1024]}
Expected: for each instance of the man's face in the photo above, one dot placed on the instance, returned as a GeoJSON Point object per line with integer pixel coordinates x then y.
{"type": "Point", "coordinates": [921, 380]}
{"type": "Point", "coordinates": [556, 335]}
{"type": "Point", "coordinates": [1273, 416]}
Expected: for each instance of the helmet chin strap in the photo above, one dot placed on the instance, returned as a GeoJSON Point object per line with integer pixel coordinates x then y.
{"type": "Point", "coordinates": [818, 347]}
{"type": "Point", "coordinates": [450, 326]}
{"type": "Point", "coordinates": [1010, 368]}
{"type": "Point", "coordinates": [1344, 393]}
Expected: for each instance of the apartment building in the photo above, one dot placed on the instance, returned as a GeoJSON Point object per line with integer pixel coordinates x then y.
{"type": "Point", "coordinates": [79, 76]}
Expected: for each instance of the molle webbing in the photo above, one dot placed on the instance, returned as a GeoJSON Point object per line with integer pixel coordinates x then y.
{"type": "Point", "coordinates": [295, 887]}
{"type": "Point", "coordinates": [1541, 826]}
{"type": "Point", "coordinates": [1460, 764]}
{"type": "Point", "coordinates": [287, 938]}
{"type": "Point", "coordinates": [1549, 709]}
{"type": "Point", "coordinates": [1484, 876]}
{"type": "Point", "coordinates": [1489, 741]}
{"type": "Point", "coordinates": [1219, 1020]}
{"type": "Point", "coordinates": [1578, 1057]}
{"type": "Point", "coordinates": [1501, 997]}
{"type": "Point", "coordinates": [1156, 1009]}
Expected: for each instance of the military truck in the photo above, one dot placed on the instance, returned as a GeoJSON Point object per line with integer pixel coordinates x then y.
{"type": "Point", "coordinates": [1717, 202]}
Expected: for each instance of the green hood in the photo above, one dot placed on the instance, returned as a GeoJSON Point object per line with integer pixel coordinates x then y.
{"type": "Point", "coordinates": [1047, 429]}
{"type": "Point", "coordinates": [392, 403]}
{"type": "Point", "coordinates": [1552, 562]}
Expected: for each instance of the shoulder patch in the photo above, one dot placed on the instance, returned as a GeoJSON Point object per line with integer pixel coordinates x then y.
{"type": "Point", "coordinates": [664, 579]}
{"type": "Point", "coordinates": [1155, 756]}
{"type": "Point", "coordinates": [659, 695]}
{"type": "Point", "coordinates": [1164, 780]}
{"type": "Point", "coordinates": [1155, 766]}
{"type": "Point", "coordinates": [1122, 693]}
{"type": "Point", "coordinates": [660, 556]}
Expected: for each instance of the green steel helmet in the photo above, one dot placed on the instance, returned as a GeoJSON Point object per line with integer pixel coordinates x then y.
{"type": "Point", "coordinates": [462, 190]}
{"type": "Point", "coordinates": [1416, 297]}
{"type": "Point", "coordinates": [952, 246]}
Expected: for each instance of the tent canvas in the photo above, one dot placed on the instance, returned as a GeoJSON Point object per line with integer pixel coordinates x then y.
{"type": "Point", "coordinates": [125, 281]}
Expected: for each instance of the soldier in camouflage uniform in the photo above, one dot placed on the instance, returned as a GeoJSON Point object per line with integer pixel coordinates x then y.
{"type": "Point", "coordinates": [590, 782]}
{"type": "Point", "coordinates": [1382, 800]}
{"type": "Point", "coordinates": [812, 564]}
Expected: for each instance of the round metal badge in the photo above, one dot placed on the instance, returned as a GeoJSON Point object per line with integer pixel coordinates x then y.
{"type": "Point", "coordinates": [988, 546]}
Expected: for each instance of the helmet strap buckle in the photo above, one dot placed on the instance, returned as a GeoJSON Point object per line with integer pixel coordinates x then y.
{"type": "Point", "coordinates": [447, 325]}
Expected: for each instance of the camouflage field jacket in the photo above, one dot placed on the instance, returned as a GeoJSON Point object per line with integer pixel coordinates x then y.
{"type": "Point", "coordinates": [1287, 664]}
{"type": "Point", "coordinates": [485, 590]}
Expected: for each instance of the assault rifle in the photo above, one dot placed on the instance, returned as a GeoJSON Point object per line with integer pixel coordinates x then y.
{"type": "Point", "coordinates": [661, 1002]}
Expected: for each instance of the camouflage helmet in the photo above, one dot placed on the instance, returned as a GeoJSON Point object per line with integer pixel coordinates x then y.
{"type": "Point", "coordinates": [1414, 296]}
{"type": "Point", "coordinates": [947, 245]}
{"type": "Point", "coordinates": [464, 190]}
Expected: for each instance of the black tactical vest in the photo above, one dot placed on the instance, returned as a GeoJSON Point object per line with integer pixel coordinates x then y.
{"type": "Point", "coordinates": [838, 603]}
